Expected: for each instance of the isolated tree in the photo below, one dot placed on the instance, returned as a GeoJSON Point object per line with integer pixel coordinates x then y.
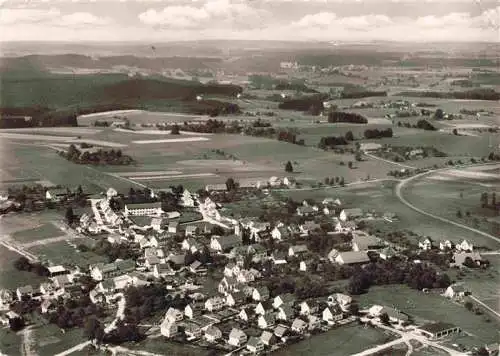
{"type": "Point", "coordinates": [79, 191]}
{"type": "Point", "coordinates": [384, 319]}
{"type": "Point", "coordinates": [349, 136]}
{"type": "Point", "coordinates": [342, 182]}
{"type": "Point", "coordinates": [459, 214]}
{"type": "Point", "coordinates": [439, 114]}
{"type": "Point", "coordinates": [455, 132]}
{"type": "Point", "coordinates": [69, 215]}
{"type": "Point", "coordinates": [357, 156]}
{"type": "Point", "coordinates": [230, 184]}
{"type": "Point", "coordinates": [484, 199]}
{"type": "Point", "coordinates": [288, 167]}
{"type": "Point", "coordinates": [349, 164]}
{"type": "Point", "coordinates": [494, 200]}
{"type": "Point", "coordinates": [175, 130]}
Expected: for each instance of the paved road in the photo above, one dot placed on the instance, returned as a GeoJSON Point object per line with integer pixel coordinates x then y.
{"type": "Point", "coordinates": [485, 306]}
{"type": "Point", "coordinates": [404, 182]}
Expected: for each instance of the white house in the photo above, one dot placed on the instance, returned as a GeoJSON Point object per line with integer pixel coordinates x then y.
{"type": "Point", "coordinates": [464, 246]}
{"type": "Point", "coordinates": [174, 315]}
{"type": "Point", "coordinates": [261, 308]}
{"type": "Point", "coordinates": [331, 314]}
{"type": "Point", "coordinates": [234, 298]}
{"type": "Point", "coordinates": [308, 307]}
{"type": "Point", "coordinates": [231, 270]}
{"type": "Point", "coordinates": [255, 345]}
{"type": "Point", "coordinates": [282, 299]}
{"type": "Point", "coordinates": [237, 337]}
{"type": "Point", "coordinates": [285, 313]}
{"type": "Point", "coordinates": [187, 199]}
{"type": "Point", "coordinates": [213, 333]}
{"type": "Point", "coordinates": [214, 304]}
{"type": "Point", "coordinates": [192, 310]}
{"type": "Point", "coordinates": [343, 300]}
{"type": "Point", "coordinates": [457, 290]}
{"type": "Point", "coordinates": [260, 294]}
{"type": "Point", "coordinates": [245, 314]}
{"type": "Point", "coordinates": [299, 326]}
{"type": "Point", "coordinates": [224, 243]}
{"type": "Point", "coordinates": [349, 214]}
{"type": "Point", "coordinates": [280, 233]}
{"type": "Point", "coordinates": [266, 321]}
{"type": "Point", "coordinates": [168, 328]}
{"type": "Point", "coordinates": [425, 244]}
{"type": "Point", "coordinates": [445, 245]}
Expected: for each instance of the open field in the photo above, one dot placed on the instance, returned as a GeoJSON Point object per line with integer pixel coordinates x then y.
{"type": "Point", "coordinates": [432, 307]}
{"type": "Point", "coordinates": [446, 193]}
{"type": "Point", "coordinates": [49, 340]}
{"type": "Point", "coordinates": [10, 277]}
{"type": "Point", "coordinates": [162, 346]}
{"type": "Point", "coordinates": [10, 342]}
{"type": "Point", "coordinates": [344, 340]}
{"type": "Point", "coordinates": [41, 232]}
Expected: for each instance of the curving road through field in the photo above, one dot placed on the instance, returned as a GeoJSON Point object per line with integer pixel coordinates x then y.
{"type": "Point", "coordinates": [404, 182]}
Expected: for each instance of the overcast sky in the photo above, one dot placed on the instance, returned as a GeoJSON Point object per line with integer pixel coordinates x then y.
{"type": "Point", "coordinates": [165, 20]}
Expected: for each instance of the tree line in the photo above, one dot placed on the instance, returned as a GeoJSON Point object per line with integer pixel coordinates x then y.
{"type": "Point", "coordinates": [339, 116]}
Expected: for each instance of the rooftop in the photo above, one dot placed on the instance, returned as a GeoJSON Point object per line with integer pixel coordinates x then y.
{"type": "Point", "coordinates": [437, 327]}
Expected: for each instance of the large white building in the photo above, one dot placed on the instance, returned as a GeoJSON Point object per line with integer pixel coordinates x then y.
{"type": "Point", "coordinates": [144, 209]}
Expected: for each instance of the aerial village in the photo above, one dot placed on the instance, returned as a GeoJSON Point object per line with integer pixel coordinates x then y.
{"type": "Point", "coordinates": [224, 279]}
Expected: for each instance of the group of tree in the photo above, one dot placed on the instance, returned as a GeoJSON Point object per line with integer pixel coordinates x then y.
{"type": "Point", "coordinates": [487, 202]}
{"type": "Point", "coordinates": [395, 271]}
{"type": "Point", "coordinates": [23, 264]}
{"type": "Point", "coordinates": [425, 125]}
{"type": "Point", "coordinates": [331, 141]}
{"type": "Point", "coordinates": [353, 118]}
{"type": "Point", "coordinates": [358, 94]}
{"type": "Point", "coordinates": [310, 104]}
{"type": "Point", "coordinates": [376, 133]}
{"type": "Point", "coordinates": [113, 252]}
{"type": "Point", "coordinates": [334, 180]}
{"type": "Point", "coordinates": [288, 167]}
{"type": "Point", "coordinates": [99, 156]}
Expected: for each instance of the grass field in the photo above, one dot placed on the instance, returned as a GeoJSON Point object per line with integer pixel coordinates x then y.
{"type": "Point", "coordinates": [10, 342]}
{"type": "Point", "coordinates": [50, 341]}
{"type": "Point", "coordinates": [345, 340]}
{"type": "Point", "coordinates": [163, 347]}
{"type": "Point", "coordinates": [44, 231]}
{"type": "Point", "coordinates": [10, 277]}
{"type": "Point", "coordinates": [446, 193]}
{"type": "Point", "coordinates": [432, 307]}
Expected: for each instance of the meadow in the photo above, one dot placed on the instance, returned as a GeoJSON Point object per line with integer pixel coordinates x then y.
{"type": "Point", "coordinates": [433, 307]}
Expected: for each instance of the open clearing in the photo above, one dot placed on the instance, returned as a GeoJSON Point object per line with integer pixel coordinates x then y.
{"type": "Point", "coordinates": [172, 140]}
{"type": "Point", "coordinates": [344, 340]}
{"type": "Point", "coordinates": [45, 231]}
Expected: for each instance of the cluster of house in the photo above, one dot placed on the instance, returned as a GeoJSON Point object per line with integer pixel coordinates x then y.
{"type": "Point", "coordinates": [61, 284]}
{"type": "Point", "coordinates": [231, 318]}
{"type": "Point", "coordinates": [462, 251]}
